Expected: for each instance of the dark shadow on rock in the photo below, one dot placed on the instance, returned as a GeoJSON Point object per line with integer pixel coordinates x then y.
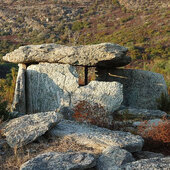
{"type": "Point", "coordinates": [141, 88]}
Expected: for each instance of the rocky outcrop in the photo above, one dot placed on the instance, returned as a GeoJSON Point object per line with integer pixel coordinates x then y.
{"type": "Point", "coordinates": [105, 54]}
{"type": "Point", "coordinates": [141, 89]}
{"type": "Point", "coordinates": [25, 129]}
{"type": "Point", "coordinates": [19, 101]}
{"type": "Point", "coordinates": [49, 86]}
{"type": "Point", "coordinates": [153, 163]}
{"type": "Point", "coordinates": [60, 161]}
{"type": "Point", "coordinates": [113, 157]}
{"type": "Point", "coordinates": [96, 137]}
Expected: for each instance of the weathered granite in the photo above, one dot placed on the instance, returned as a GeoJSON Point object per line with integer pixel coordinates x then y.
{"type": "Point", "coordinates": [103, 98]}
{"type": "Point", "coordinates": [146, 155]}
{"type": "Point", "coordinates": [96, 137]}
{"type": "Point", "coordinates": [113, 157]}
{"type": "Point", "coordinates": [25, 129]}
{"type": "Point", "coordinates": [105, 54]}
{"type": "Point", "coordinates": [107, 94]}
{"type": "Point", "coordinates": [19, 101]}
{"type": "Point", "coordinates": [141, 89]}
{"type": "Point", "coordinates": [55, 87]}
{"type": "Point", "coordinates": [60, 161]}
{"type": "Point", "coordinates": [153, 163]}
{"type": "Point", "coordinates": [49, 86]}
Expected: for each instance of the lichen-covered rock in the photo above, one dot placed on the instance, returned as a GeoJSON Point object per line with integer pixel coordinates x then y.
{"type": "Point", "coordinates": [113, 157]}
{"type": "Point", "coordinates": [153, 163]}
{"type": "Point", "coordinates": [49, 86]}
{"type": "Point", "coordinates": [25, 129]}
{"type": "Point", "coordinates": [19, 102]}
{"type": "Point", "coordinates": [103, 98]}
{"type": "Point", "coordinates": [96, 137]}
{"type": "Point", "coordinates": [105, 54]}
{"type": "Point", "coordinates": [141, 89]}
{"type": "Point", "coordinates": [60, 161]}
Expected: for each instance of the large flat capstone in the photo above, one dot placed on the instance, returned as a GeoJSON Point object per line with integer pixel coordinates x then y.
{"type": "Point", "coordinates": [105, 54]}
{"type": "Point", "coordinates": [96, 137]}
{"type": "Point", "coordinates": [25, 129]}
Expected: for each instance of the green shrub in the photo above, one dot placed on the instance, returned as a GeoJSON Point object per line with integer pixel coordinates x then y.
{"type": "Point", "coordinates": [4, 114]}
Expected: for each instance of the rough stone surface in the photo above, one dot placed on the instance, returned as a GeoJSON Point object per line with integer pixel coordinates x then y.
{"type": "Point", "coordinates": [60, 161]}
{"type": "Point", "coordinates": [146, 155]}
{"type": "Point", "coordinates": [96, 137]}
{"type": "Point", "coordinates": [141, 89]}
{"type": "Point", "coordinates": [113, 157]}
{"type": "Point", "coordinates": [104, 97]}
{"type": "Point", "coordinates": [25, 129]}
{"type": "Point", "coordinates": [55, 86]}
{"type": "Point", "coordinates": [153, 163]}
{"type": "Point", "coordinates": [105, 54]}
{"type": "Point", "coordinates": [107, 94]}
{"type": "Point", "coordinates": [49, 86]}
{"type": "Point", "coordinates": [19, 102]}
{"type": "Point", "coordinates": [141, 113]}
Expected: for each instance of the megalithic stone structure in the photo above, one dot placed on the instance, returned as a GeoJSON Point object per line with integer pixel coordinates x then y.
{"type": "Point", "coordinates": [51, 74]}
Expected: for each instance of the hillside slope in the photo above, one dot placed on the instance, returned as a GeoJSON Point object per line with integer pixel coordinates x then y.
{"type": "Point", "coordinates": [140, 25]}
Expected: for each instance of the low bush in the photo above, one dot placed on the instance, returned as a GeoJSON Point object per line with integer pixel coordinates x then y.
{"type": "Point", "coordinates": [157, 137]}
{"type": "Point", "coordinates": [4, 114]}
{"type": "Point", "coordinates": [94, 114]}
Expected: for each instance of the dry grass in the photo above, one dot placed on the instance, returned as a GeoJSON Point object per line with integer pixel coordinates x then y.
{"type": "Point", "coordinates": [12, 159]}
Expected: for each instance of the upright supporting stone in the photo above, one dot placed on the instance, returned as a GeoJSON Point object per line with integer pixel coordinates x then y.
{"type": "Point", "coordinates": [141, 89]}
{"type": "Point", "coordinates": [19, 102]}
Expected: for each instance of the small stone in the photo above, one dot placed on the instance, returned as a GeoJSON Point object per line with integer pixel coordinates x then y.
{"type": "Point", "coordinates": [113, 157]}
{"type": "Point", "coordinates": [153, 163]}
{"type": "Point", "coordinates": [60, 161]}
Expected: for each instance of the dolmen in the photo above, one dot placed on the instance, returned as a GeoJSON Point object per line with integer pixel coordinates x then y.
{"type": "Point", "coordinates": [61, 89]}
{"type": "Point", "coordinates": [53, 76]}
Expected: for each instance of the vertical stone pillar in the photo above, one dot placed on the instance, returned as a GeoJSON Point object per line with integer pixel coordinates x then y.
{"type": "Point", "coordinates": [19, 101]}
